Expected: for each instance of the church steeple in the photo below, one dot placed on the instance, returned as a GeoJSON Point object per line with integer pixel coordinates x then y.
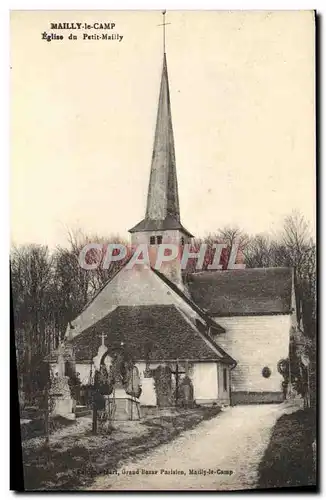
{"type": "Point", "coordinates": [163, 197]}
{"type": "Point", "coordinates": [162, 209]}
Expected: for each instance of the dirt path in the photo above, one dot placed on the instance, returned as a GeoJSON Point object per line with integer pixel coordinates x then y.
{"type": "Point", "coordinates": [225, 452]}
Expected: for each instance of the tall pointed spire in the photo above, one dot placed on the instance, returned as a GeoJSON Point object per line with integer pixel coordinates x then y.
{"type": "Point", "coordinates": [162, 208]}
{"type": "Point", "coordinates": [163, 198]}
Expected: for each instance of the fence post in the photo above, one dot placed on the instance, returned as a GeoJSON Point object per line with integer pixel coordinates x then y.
{"type": "Point", "coordinates": [94, 424]}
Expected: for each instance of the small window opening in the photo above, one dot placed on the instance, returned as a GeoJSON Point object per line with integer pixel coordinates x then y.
{"type": "Point", "coordinates": [159, 240]}
{"type": "Point", "coordinates": [152, 240]}
{"type": "Point", "coordinates": [182, 241]}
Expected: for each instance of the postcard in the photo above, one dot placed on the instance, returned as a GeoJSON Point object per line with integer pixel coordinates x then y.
{"type": "Point", "coordinates": [163, 249]}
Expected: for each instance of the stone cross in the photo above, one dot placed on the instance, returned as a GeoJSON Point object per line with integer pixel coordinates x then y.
{"type": "Point", "coordinates": [103, 337]}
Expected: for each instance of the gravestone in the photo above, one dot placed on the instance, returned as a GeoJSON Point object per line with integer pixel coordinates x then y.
{"type": "Point", "coordinates": [186, 389]}
{"type": "Point", "coordinates": [163, 386]}
{"type": "Point", "coordinates": [123, 403]}
{"type": "Point", "coordinates": [100, 353]}
{"type": "Point", "coordinates": [148, 395]}
{"type": "Point", "coordinates": [61, 402]}
{"type": "Point", "coordinates": [186, 392]}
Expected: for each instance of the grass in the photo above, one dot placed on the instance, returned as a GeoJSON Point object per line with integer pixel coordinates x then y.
{"type": "Point", "coordinates": [35, 428]}
{"type": "Point", "coordinates": [288, 459]}
{"type": "Point", "coordinates": [74, 461]}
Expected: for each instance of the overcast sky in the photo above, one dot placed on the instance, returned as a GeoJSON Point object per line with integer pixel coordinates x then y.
{"type": "Point", "coordinates": [83, 118]}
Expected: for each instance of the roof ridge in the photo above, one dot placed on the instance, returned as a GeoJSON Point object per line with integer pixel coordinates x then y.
{"type": "Point", "coordinates": [207, 338]}
{"type": "Point", "coordinates": [247, 269]}
{"type": "Point", "coordinates": [188, 300]}
{"type": "Point", "coordinates": [194, 327]}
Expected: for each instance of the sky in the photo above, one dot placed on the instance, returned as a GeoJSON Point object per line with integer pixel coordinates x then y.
{"type": "Point", "coordinates": [83, 117]}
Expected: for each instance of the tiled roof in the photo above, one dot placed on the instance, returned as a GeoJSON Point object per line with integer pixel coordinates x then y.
{"type": "Point", "coordinates": [260, 291]}
{"type": "Point", "coordinates": [208, 320]}
{"type": "Point", "coordinates": [169, 223]}
{"type": "Point", "coordinates": [160, 331]}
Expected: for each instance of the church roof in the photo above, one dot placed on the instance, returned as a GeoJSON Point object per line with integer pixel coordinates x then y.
{"type": "Point", "coordinates": [161, 332]}
{"type": "Point", "coordinates": [261, 291]}
{"type": "Point", "coordinates": [187, 298]}
{"type": "Point", "coordinates": [162, 209]}
{"type": "Point", "coordinates": [159, 225]}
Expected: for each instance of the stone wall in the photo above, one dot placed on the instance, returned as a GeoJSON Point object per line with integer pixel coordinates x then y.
{"type": "Point", "coordinates": [256, 342]}
{"type": "Point", "coordinates": [205, 380]}
{"type": "Point", "coordinates": [243, 397]}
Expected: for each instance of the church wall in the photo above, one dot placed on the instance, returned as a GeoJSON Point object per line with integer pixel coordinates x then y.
{"type": "Point", "coordinates": [205, 381]}
{"type": "Point", "coordinates": [204, 377]}
{"type": "Point", "coordinates": [256, 342]}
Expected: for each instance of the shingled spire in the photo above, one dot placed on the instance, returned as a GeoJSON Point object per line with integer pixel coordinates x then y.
{"type": "Point", "coordinates": [162, 209]}
{"type": "Point", "coordinates": [163, 198]}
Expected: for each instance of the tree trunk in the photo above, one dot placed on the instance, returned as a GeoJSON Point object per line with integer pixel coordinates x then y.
{"type": "Point", "coordinates": [94, 426]}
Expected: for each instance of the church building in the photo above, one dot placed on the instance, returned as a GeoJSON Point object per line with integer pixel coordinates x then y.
{"type": "Point", "coordinates": [227, 330]}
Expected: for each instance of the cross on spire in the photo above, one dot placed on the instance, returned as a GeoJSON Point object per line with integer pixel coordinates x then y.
{"type": "Point", "coordinates": [163, 24]}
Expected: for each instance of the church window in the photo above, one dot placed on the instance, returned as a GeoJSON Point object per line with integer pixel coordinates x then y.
{"type": "Point", "coordinates": [266, 372]}
{"type": "Point", "coordinates": [225, 379]}
{"type": "Point", "coordinates": [152, 240]}
{"type": "Point", "coordinates": [159, 240]}
{"type": "Point", "coordinates": [182, 241]}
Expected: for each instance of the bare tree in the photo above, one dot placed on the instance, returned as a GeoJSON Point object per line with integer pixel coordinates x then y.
{"type": "Point", "coordinates": [297, 240]}
{"type": "Point", "coordinates": [258, 251]}
{"type": "Point", "coordinates": [232, 235]}
{"type": "Point", "coordinates": [32, 289]}
{"type": "Point", "coordinates": [92, 280]}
